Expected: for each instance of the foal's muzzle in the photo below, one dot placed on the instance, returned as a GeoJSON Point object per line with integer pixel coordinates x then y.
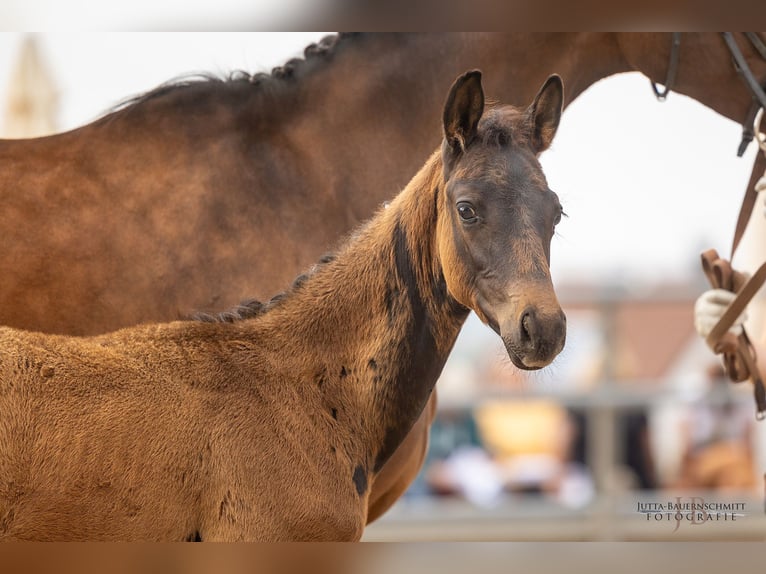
{"type": "Point", "coordinates": [534, 336]}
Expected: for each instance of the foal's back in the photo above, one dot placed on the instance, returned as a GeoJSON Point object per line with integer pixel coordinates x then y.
{"type": "Point", "coordinates": [81, 417]}
{"type": "Point", "coordinates": [146, 434]}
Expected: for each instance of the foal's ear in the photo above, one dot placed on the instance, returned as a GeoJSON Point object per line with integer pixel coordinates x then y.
{"type": "Point", "coordinates": [464, 106]}
{"type": "Point", "coordinates": [545, 113]}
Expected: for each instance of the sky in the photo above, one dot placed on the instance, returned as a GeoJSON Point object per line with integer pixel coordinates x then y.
{"type": "Point", "coordinates": [646, 185]}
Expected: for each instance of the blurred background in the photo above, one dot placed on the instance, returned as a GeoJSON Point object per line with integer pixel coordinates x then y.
{"type": "Point", "coordinates": [633, 412]}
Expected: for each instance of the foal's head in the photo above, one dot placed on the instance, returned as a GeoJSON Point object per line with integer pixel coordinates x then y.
{"type": "Point", "coordinates": [497, 217]}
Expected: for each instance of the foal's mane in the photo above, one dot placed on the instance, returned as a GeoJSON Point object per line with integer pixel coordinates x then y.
{"type": "Point", "coordinates": [293, 69]}
{"type": "Point", "coordinates": [251, 308]}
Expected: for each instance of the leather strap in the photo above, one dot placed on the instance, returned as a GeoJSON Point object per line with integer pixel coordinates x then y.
{"type": "Point", "coordinates": [757, 43]}
{"type": "Point", "coordinates": [739, 355]}
{"type": "Point", "coordinates": [748, 201]}
{"type": "Point", "coordinates": [740, 63]}
{"type": "Point", "coordinates": [757, 91]}
{"type": "Point", "coordinates": [670, 79]}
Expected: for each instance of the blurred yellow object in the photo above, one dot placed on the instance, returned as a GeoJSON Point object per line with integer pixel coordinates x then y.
{"type": "Point", "coordinates": [513, 428]}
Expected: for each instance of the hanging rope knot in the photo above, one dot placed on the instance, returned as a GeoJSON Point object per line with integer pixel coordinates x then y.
{"type": "Point", "coordinates": [739, 356]}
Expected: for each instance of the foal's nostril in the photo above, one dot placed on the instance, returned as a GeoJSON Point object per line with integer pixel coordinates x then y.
{"type": "Point", "coordinates": [526, 326]}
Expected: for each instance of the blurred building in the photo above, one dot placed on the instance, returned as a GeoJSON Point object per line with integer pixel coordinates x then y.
{"type": "Point", "coordinates": [31, 106]}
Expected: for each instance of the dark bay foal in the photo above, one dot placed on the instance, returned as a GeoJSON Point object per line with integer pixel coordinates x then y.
{"type": "Point", "coordinates": [273, 426]}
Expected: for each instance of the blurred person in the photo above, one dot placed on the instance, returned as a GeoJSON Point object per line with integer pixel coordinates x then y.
{"type": "Point", "coordinates": [457, 464]}
{"type": "Point", "coordinates": [717, 438]}
{"type": "Point", "coordinates": [531, 443]}
{"type": "Point", "coordinates": [750, 254]}
{"type": "Point", "coordinates": [506, 446]}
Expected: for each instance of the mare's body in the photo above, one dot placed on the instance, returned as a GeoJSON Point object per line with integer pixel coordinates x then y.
{"type": "Point", "coordinates": [199, 196]}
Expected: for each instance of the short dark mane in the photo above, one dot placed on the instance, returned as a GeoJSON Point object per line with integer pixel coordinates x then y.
{"type": "Point", "coordinates": [245, 310]}
{"type": "Point", "coordinates": [292, 69]}
{"type": "Point", "coordinates": [251, 308]}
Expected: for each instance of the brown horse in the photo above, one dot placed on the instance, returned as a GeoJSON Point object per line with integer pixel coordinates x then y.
{"type": "Point", "coordinates": [272, 425]}
{"type": "Point", "coordinates": [203, 192]}
{"type": "Point", "coordinates": [142, 215]}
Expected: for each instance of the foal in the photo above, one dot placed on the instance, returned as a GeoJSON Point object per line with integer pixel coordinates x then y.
{"type": "Point", "coordinates": [273, 427]}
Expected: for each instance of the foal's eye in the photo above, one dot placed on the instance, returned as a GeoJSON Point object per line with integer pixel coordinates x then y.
{"type": "Point", "coordinates": [558, 217]}
{"type": "Point", "coordinates": [467, 212]}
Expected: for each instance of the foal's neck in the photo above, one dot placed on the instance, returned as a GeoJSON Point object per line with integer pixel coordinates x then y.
{"type": "Point", "coordinates": [371, 330]}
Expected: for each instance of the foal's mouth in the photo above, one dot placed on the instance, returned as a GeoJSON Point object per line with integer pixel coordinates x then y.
{"type": "Point", "coordinates": [512, 354]}
{"type": "Point", "coordinates": [517, 362]}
